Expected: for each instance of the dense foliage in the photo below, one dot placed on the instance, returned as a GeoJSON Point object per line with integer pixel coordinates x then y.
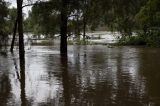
{"type": "Point", "coordinates": [43, 19]}
{"type": "Point", "coordinates": [149, 19]}
{"type": "Point", "coordinates": [3, 22]}
{"type": "Point", "coordinates": [126, 16]}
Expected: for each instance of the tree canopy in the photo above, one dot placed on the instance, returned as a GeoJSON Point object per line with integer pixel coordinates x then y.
{"type": "Point", "coordinates": [3, 16]}
{"type": "Point", "coordinates": [124, 16]}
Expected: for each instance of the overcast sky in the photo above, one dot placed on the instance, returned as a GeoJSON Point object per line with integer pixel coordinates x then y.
{"type": "Point", "coordinates": [26, 9]}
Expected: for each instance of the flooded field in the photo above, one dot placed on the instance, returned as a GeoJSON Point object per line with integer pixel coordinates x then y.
{"type": "Point", "coordinates": [91, 76]}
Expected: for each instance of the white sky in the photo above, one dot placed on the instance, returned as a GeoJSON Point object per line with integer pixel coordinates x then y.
{"type": "Point", "coordinates": [25, 9]}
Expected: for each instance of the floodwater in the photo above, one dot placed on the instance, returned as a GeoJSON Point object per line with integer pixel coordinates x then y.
{"type": "Point", "coordinates": [93, 75]}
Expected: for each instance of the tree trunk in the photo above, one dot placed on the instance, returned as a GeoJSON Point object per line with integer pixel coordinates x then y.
{"type": "Point", "coordinates": [84, 28]}
{"type": "Point", "coordinates": [63, 29]}
{"type": "Point", "coordinates": [14, 35]}
{"type": "Point", "coordinates": [20, 30]}
{"type": "Point", "coordinates": [77, 28]}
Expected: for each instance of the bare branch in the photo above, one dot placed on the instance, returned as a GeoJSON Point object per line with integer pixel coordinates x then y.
{"type": "Point", "coordinates": [28, 5]}
{"type": "Point", "coordinates": [31, 3]}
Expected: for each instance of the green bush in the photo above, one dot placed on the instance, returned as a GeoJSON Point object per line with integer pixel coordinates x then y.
{"type": "Point", "coordinates": [132, 40]}
{"type": "Point", "coordinates": [153, 37]}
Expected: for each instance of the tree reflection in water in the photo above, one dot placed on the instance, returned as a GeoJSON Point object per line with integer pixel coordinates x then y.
{"type": "Point", "coordinates": [21, 77]}
{"type": "Point", "coordinates": [5, 89]}
{"type": "Point", "coordinates": [5, 86]}
{"type": "Point", "coordinates": [22, 82]}
{"type": "Point", "coordinates": [65, 80]}
{"type": "Point", "coordinates": [89, 76]}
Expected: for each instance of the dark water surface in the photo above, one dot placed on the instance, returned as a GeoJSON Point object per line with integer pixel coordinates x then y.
{"type": "Point", "coordinates": [91, 76]}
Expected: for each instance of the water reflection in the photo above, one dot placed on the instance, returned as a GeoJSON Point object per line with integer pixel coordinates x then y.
{"type": "Point", "coordinates": [16, 66]}
{"type": "Point", "coordinates": [65, 80]}
{"type": "Point", "coordinates": [5, 88]}
{"type": "Point", "coordinates": [89, 76]}
{"type": "Point", "coordinates": [22, 82]}
{"type": "Point", "coordinates": [151, 65]}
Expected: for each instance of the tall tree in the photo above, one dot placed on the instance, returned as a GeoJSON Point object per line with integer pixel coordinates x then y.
{"type": "Point", "coordinates": [12, 24]}
{"type": "Point", "coordinates": [14, 35]}
{"type": "Point", "coordinates": [20, 31]}
{"type": "Point", "coordinates": [63, 27]}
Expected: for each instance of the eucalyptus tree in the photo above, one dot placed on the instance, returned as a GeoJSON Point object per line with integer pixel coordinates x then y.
{"type": "Point", "coordinates": [117, 14]}
{"type": "Point", "coordinates": [20, 31]}
{"type": "Point", "coordinates": [19, 20]}
{"type": "Point", "coordinates": [63, 26]}
{"type": "Point", "coordinates": [85, 9]}
{"type": "Point", "coordinates": [149, 15]}
{"type": "Point", "coordinates": [149, 19]}
{"type": "Point", "coordinates": [57, 13]}
{"type": "Point", "coordinates": [75, 16]}
{"type": "Point", "coordinates": [44, 18]}
{"type": "Point", "coordinates": [13, 22]}
{"type": "Point", "coordinates": [80, 10]}
{"type": "Point", "coordinates": [124, 13]}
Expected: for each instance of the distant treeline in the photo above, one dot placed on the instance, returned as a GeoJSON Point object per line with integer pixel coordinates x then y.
{"type": "Point", "coordinates": [125, 16]}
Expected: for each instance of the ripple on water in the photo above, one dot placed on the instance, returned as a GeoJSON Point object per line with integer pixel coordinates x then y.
{"type": "Point", "coordinates": [92, 75]}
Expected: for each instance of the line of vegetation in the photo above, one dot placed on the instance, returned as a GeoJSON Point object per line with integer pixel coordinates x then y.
{"type": "Point", "coordinates": [125, 16]}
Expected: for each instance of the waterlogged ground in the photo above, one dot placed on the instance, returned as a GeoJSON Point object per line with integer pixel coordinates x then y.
{"type": "Point", "coordinates": [91, 76]}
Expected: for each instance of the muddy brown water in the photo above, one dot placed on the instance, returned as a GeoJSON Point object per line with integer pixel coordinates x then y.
{"type": "Point", "coordinates": [91, 76]}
